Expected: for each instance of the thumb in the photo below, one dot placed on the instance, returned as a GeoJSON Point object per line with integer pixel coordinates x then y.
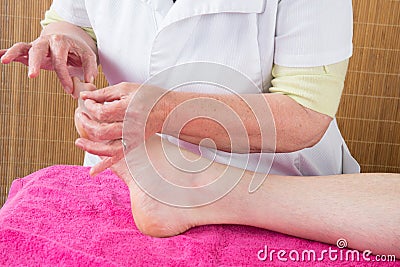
{"type": "Point", "coordinates": [107, 94]}
{"type": "Point", "coordinates": [80, 87]}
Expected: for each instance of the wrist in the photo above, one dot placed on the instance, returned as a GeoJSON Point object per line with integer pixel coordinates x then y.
{"type": "Point", "coordinates": [162, 104]}
{"type": "Point", "coordinates": [71, 31]}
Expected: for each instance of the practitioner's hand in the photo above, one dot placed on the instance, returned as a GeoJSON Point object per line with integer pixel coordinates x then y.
{"type": "Point", "coordinates": [81, 87]}
{"type": "Point", "coordinates": [66, 55]}
{"type": "Point", "coordinates": [103, 120]}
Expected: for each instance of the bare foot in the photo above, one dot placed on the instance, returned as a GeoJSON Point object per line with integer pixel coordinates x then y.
{"type": "Point", "coordinates": [204, 205]}
{"type": "Point", "coordinates": [151, 216]}
{"type": "Point", "coordinates": [358, 204]}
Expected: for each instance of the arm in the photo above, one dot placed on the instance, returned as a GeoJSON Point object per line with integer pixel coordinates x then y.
{"type": "Point", "coordinates": [303, 102]}
{"type": "Point", "coordinates": [316, 35]}
{"type": "Point", "coordinates": [293, 116]}
{"type": "Point", "coordinates": [296, 126]}
{"type": "Point", "coordinates": [296, 115]}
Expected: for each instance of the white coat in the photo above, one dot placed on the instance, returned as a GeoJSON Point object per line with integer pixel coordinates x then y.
{"type": "Point", "coordinates": [140, 38]}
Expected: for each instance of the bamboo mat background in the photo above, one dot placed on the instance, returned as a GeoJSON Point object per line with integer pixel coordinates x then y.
{"type": "Point", "coordinates": [369, 115]}
{"type": "Point", "coordinates": [36, 117]}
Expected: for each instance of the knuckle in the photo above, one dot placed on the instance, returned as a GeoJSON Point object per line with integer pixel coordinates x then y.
{"type": "Point", "coordinates": [112, 131]}
{"type": "Point", "coordinates": [89, 56]}
{"type": "Point", "coordinates": [40, 41]}
{"type": "Point", "coordinates": [60, 58]}
{"type": "Point", "coordinates": [123, 85]}
{"type": "Point", "coordinates": [85, 51]}
{"type": "Point", "coordinates": [126, 88]}
{"type": "Point", "coordinates": [19, 45]}
{"type": "Point", "coordinates": [58, 63]}
{"type": "Point", "coordinates": [94, 133]}
{"type": "Point", "coordinates": [39, 45]}
{"type": "Point", "coordinates": [60, 70]}
{"type": "Point", "coordinates": [102, 115]}
{"type": "Point", "coordinates": [56, 37]}
{"type": "Point", "coordinates": [97, 134]}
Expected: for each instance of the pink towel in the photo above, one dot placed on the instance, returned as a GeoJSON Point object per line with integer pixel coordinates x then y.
{"type": "Point", "coordinates": [60, 216]}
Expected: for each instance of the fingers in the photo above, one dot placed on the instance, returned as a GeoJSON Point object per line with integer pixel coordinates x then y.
{"type": "Point", "coordinates": [113, 151]}
{"type": "Point", "coordinates": [107, 149]}
{"type": "Point", "coordinates": [37, 53]}
{"type": "Point", "coordinates": [80, 86]}
{"type": "Point", "coordinates": [15, 53]}
{"type": "Point", "coordinates": [107, 94]}
{"type": "Point", "coordinates": [103, 165]}
{"type": "Point", "coordinates": [80, 54]}
{"type": "Point", "coordinates": [89, 64]}
{"type": "Point", "coordinates": [108, 104]}
{"type": "Point", "coordinates": [99, 131]}
{"type": "Point", "coordinates": [107, 112]}
{"type": "Point", "coordinates": [66, 52]}
{"type": "Point", "coordinates": [2, 52]}
{"type": "Point", "coordinates": [59, 55]}
{"type": "Point", "coordinates": [83, 86]}
{"type": "Point", "coordinates": [54, 52]}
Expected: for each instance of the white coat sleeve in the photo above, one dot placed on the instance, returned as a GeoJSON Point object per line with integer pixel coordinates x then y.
{"type": "Point", "coordinates": [313, 32]}
{"type": "Point", "coordinates": [72, 11]}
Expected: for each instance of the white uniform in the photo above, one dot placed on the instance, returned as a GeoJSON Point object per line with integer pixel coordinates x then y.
{"type": "Point", "coordinates": [139, 38]}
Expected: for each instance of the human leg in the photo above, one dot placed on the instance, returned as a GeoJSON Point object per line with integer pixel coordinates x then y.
{"type": "Point", "coordinates": [362, 208]}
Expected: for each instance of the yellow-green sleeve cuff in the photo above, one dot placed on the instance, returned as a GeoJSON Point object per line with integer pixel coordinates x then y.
{"type": "Point", "coordinates": [316, 88]}
{"type": "Point", "coordinates": [51, 16]}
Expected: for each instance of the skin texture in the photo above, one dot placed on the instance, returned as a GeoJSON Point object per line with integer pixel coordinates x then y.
{"type": "Point", "coordinates": [294, 126]}
{"type": "Point", "coordinates": [362, 208]}
{"type": "Point", "coordinates": [291, 128]}
{"type": "Point", "coordinates": [70, 51]}
{"type": "Point", "coordinates": [61, 47]}
{"type": "Point", "coordinates": [81, 108]}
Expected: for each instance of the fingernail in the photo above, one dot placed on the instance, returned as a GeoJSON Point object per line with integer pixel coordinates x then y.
{"type": "Point", "coordinates": [92, 79]}
{"type": "Point", "coordinates": [3, 61]}
{"type": "Point", "coordinates": [68, 89]}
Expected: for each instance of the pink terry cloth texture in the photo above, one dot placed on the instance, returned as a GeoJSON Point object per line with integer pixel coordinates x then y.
{"type": "Point", "coordinates": [59, 216]}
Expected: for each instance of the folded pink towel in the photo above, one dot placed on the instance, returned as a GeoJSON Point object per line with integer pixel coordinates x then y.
{"type": "Point", "coordinates": [60, 216]}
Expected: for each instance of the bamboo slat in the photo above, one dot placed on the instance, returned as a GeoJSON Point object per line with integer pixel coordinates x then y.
{"type": "Point", "coordinates": [369, 114]}
{"type": "Point", "coordinates": [36, 117]}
